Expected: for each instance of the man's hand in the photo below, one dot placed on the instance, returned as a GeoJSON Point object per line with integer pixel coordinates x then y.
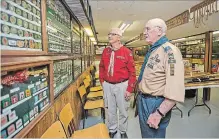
{"type": "Point", "coordinates": [154, 120]}
{"type": "Point", "coordinates": [127, 95]}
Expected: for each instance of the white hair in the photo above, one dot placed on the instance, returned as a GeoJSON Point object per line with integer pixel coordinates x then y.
{"type": "Point", "coordinates": [157, 22]}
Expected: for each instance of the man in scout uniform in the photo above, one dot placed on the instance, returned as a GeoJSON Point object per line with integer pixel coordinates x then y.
{"type": "Point", "coordinates": [117, 76]}
{"type": "Point", "coordinates": [161, 81]}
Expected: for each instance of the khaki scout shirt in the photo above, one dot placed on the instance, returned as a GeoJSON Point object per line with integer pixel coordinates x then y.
{"type": "Point", "coordinates": [164, 73]}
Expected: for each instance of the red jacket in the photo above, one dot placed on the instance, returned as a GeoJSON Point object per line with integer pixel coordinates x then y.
{"type": "Point", "coordinates": [124, 67]}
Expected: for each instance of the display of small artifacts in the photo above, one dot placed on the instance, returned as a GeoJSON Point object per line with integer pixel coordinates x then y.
{"type": "Point", "coordinates": [58, 27]}
{"type": "Point", "coordinates": [21, 25]}
{"type": "Point", "coordinates": [76, 42]}
{"type": "Point", "coordinates": [18, 91]}
{"type": "Point", "coordinates": [83, 64]}
{"type": "Point", "coordinates": [62, 75]}
{"type": "Point", "coordinates": [77, 68]}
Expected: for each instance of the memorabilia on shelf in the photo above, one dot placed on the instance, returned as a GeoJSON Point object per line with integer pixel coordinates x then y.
{"type": "Point", "coordinates": [193, 53]}
{"type": "Point", "coordinates": [20, 25]}
{"type": "Point", "coordinates": [58, 27]}
{"type": "Point", "coordinates": [215, 54]}
{"type": "Point", "coordinates": [83, 63]}
{"type": "Point", "coordinates": [17, 97]}
{"type": "Point", "coordinates": [62, 75]}
{"type": "Point", "coordinates": [77, 68]}
{"type": "Point", "coordinates": [76, 42]}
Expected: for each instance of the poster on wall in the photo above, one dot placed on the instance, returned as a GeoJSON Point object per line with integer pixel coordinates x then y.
{"type": "Point", "coordinates": [20, 25]}
{"type": "Point", "coordinates": [24, 94]}
{"type": "Point", "coordinates": [62, 75]}
{"type": "Point", "coordinates": [58, 27]}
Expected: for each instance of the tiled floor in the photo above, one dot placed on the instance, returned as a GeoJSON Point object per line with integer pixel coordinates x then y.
{"type": "Point", "coordinates": [199, 125]}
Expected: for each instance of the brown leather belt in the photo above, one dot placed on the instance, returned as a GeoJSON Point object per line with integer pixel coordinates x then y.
{"type": "Point", "coordinates": [117, 82]}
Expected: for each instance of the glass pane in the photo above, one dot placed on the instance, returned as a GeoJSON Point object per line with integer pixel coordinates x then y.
{"type": "Point", "coordinates": [24, 94]}
{"type": "Point", "coordinates": [77, 68]}
{"type": "Point", "coordinates": [21, 25]}
{"type": "Point", "coordinates": [193, 52]}
{"type": "Point", "coordinates": [62, 75]}
{"type": "Point", "coordinates": [58, 27]}
{"type": "Point", "coordinates": [215, 54]}
{"type": "Point", "coordinates": [76, 42]}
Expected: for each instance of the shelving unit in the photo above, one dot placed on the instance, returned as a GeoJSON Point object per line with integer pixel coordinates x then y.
{"type": "Point", "coordinates": [193, 53]}
{"type": "Point", "coordinates": [42, 46]}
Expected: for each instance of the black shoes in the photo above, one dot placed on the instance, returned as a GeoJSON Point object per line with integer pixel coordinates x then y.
{"type": "Point", "coordinates": [124, 136]}
{"type": "Point", "coordinates": [112, 134]}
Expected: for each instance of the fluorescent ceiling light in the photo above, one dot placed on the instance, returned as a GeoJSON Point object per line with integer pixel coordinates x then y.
{"type": "Point", "coordinates": [88, 31]}
{"type": "Point", "coordinates": [92, 39]}
{"type": "Point", "coordinates": [181, 39]}
{"type": "Point", "coordinates": [124, 26]}
{"type": "Point", "coordinates": [216, 32]}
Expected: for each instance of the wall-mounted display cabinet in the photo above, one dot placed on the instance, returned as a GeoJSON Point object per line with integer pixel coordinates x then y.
{"type": "Point", "coordinates": [193, 53]}
{"type": "Point", "coordinates": [58, 27]}
{"type": "Point", "coordinates": [200, 52]}
{"type": "Point", "coordinates": [63, 75]}
{"type": "Point", "coordinates": [21, 25]}
{"type": "Point", "coordinates": [77, 68]}
{"type": "Point", "coordinates": [42, 53]}
{"type": "Point", "coordinates": [215, 54]}
{"type": "Point", "coordinates": [25, 93]}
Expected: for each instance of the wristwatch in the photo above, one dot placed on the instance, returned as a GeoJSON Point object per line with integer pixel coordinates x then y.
{"type": "Point", "coordinates": [161, 114]}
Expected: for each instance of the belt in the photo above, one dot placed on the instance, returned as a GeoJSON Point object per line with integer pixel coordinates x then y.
{"type": "Point", "coordinates": [117, 82]}
{"type": "Point", "coordinates": [150, 96]}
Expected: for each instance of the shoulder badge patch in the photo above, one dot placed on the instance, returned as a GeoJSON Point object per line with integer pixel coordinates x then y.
{"type": "Point", "coordinates": [167, 48]}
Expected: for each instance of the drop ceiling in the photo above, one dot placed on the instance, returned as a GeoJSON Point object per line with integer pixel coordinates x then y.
{"type": "Point", "coordinates": [109, 14]}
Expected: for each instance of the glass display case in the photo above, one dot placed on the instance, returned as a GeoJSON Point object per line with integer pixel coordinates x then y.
{"type": "Point", "coordinates": [76, 43]}
{"type": "Point", "coordinates": [24, 94]}
{"type": "Point", "coordinates": [77, 67]}
{"type": "Point", "coordinates": [82, 42]}
{"type": "Point", "coordinates": [85, 44]}
{"type": "Point", "coordinates": [83, 63]}
{"type": "Point", "coordinates": [62, 75]}
{"type": "Point", "coordinates": [58, 27]}
{"type": "Point", "coordinates": [21, 25]}
{"type": "Point", "coordinates": [193, 52]}
{"type": "Point", "coordinates": [215, 53]}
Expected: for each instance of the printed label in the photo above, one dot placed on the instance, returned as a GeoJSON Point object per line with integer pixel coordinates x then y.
{"type": "Point", "coordinates": [37, 83]}
{"type": "Point", "coordinates": [15, 90]}
{"type": "Point", "coordinates": [12, 42]}
{"type": "Point", "coordinates": [30, 86]}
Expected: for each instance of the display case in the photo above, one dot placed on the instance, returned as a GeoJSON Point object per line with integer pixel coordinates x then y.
{"type": "Point", "coordinates": [83, 63]}
{"type": "Point", "coordinates": [24, 94]}
{"type": "Point", "coordinates": [21, 25]}
{"type": "Point", "coordinates": [76, 43]}
{"type": "Point", "coordinates": [193, 52]}
{"type": "Point", "coordinates": [85, 44]}
{"type": "Point", "coordinates": [63, 75]}
{"type": "Point", "coordinates": [82, 42]}
{"type": "Point", "coordinates": [77, 69]}
{"type": "Point", "coordinates": [58, 27]}
{"type": "Point", "coordinates": [215, 53]}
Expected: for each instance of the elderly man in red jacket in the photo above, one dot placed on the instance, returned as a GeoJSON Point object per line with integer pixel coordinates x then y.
{"type": "Point", "coordinates": [117, 76]}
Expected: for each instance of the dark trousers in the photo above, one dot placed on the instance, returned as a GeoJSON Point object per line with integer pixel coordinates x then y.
{"type": "Point", "coordinates": [146, 106]}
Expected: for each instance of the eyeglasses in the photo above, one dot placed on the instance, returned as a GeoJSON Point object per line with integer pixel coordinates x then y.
{"type": "Point", "coordinates": [147, 29]}
{"type": "Point", "coordinates": [112, 34]}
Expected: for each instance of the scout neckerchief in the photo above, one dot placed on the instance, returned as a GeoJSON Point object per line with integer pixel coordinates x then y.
{"type": "Point", "coordinates": [157, 44]}
{"type": "Point", "coordinates": [111, 64]}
